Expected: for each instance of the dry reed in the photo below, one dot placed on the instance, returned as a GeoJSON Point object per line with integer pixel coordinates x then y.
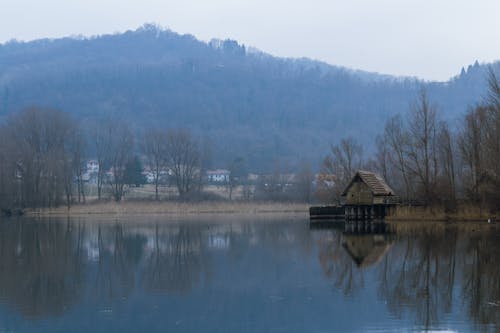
{"type": "Point", "coordinates": [174, 208]}
{"type": "Point", "coordinates": [436, 213]}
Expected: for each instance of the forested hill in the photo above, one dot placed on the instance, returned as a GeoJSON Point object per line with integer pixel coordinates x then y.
{"type": "Point", "coordinates": [271, 111]}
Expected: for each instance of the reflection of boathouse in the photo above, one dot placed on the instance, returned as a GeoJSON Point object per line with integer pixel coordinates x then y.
{"type": "Point", "coordinates": [367, 197]}
{"type": "Point", "coordinates": [366, 250]}
{"type": "Point", "coordinates": [367, 243]}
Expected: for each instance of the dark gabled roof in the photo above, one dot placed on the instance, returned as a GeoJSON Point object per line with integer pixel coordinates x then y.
{"type": "Point", "coordinates": [374, 181]}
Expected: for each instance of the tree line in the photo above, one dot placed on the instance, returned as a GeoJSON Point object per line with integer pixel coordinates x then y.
{"type": "Point", "coordinates": [43, 156]}
{"type": "Point", "coordinates": [427, 160]}
{"type": "Point", "coordinates": [424, 158]}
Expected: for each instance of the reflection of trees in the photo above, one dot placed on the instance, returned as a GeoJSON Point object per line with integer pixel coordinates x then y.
{"type": "Point", "coordinates": [281, 237]}
{"type": "Point", "coordinates": [176, 260]}
{"type": "Point", "coordinates": [420, 274]}
{"type": "Point", "coordinates": [178, 256]}
{"type": "Point", "coordinates": [481, 283]}
{"type": "Point", "coordinates": [41, 265]}
{"type": "Point", "coordinates": [119, 256]}
{"type": "Point", "coordinates": [336, 263]}
{"type": "Point", "coordinates": [343, 256]}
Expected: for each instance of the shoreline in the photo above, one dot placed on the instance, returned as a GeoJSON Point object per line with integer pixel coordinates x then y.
{"type": "Point", "coordinates": [169, 208]}
{"type": "Point", "coordinates": [440, 220]}
{"type": "Point", "coordinates": [175, 209]}
{"type": "Point", "coordinates": [463, 213]}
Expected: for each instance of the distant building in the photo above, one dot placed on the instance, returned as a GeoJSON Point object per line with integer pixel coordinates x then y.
{"type": "Point", "coordinates": [91, 171]}
{"type": "Point", "coordinates": [280, 181]}
{"type": "Point", "coordinates": [163, 176]}
{"type": "Point", "coordinates": [218, 176]}
{"type": "Point", "coordinates": [324, 180]}
{"type": "Point", "coordinates": [149, 175]}
{"type": "Point", "coordinates": [253, 177]}
{"type": "Point", "coordinates": [92, 166]}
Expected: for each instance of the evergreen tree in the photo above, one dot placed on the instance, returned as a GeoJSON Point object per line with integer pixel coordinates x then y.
{"type": "Point", "coordinates": [133, 173]}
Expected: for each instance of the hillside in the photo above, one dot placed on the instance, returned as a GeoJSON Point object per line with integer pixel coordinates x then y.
{"type": "Point", "coordinates": [272, 111]}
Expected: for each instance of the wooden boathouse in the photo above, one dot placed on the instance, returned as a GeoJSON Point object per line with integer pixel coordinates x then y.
{"type": "Point", "coordinates": [368, 197]}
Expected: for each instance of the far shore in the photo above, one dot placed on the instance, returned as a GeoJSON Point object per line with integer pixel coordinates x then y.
{"type": "Point", "coordinates": [131, 208]}
{"type": "Point", "coordinates": [177, 209]}
{"type": "Point", "coordinates": [441, 219]}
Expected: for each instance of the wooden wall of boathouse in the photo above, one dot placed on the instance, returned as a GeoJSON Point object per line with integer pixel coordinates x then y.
{"type": "Point", "coordinates": [359, 194]}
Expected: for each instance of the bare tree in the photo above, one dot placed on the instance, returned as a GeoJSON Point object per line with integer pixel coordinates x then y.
{"type": "Point", "coordinates": [114, 142]}
{"type": "Point", "coordinates": [120, 153]}
{"type": "Point", "coordinates": [382, 156]}
{"type": "Point", "coordinates": [471, 149]}
{"type": "Point", "coordinates": [205, 159]}
{"type": "Point", "coordinates": [78, 148]}
{"type": "Point", "coordinates": [8, 188]}
{"type": "Point", "coordinates": [423, 148]}
{"type": "Point", "coordinates": [102, 138]}
{"type": "Point", "coordinates": [479, 144]}
{"type": "Point", "coordinates": [72, 163]}
{"type": "Point", "coordinates": [184, 160]}
{"type": "Point", "coordinates": [348, 155]}
{"type": "Point", "coordinates": [491, 128]}
{"type": "Point", "coordinates": [155, 148]}
{"type": "Point", "coordinates": [493, 89]}
{"type": "Point", "coordinates": [398, 140]}
{"type": "Point", "coordinates": [40, 138]}
{"type": "Point", "coordinates": [447, 164]}
{"type": "Point", "coordinates": [236, 173]}
{"type": "Point", "coordinates": [344, 160]}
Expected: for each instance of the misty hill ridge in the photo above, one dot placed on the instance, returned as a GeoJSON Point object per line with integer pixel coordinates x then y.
{"type": "Point", "coordinates": [148, 44]}
{"type": "Point", "coordinates": [271, 111]}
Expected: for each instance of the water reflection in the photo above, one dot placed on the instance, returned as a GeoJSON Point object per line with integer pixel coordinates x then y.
{"type": "Point", "coordinates": [481, 282]}
{"type": "Point", "coordinates": [367, 242]}
{"type": "Point", "coordinates": [426, 271]}
{"type": "Point", "coordinates": [366, 250]}
{"type": "Point", "coordinates": [117, 255]}
{"type": "Point", "coordinates": [175, 259]}
{"type": "Point", "coordinates": [421, 269]}
{"type": "Point", "coordinates": [42, 267]}
{"type": "Point", "coordinates": [419, 276]}
{"type": "Point", "coordinates": [426, 276]}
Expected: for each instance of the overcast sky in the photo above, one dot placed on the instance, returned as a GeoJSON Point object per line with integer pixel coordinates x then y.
{"type": "Point", "coordinates": [431, 39]}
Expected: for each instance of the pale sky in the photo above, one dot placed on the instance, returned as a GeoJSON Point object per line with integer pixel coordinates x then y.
{"type": "Point", "coordinates": [430, 39]}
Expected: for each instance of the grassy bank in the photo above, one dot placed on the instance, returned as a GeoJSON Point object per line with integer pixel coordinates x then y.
{"type": "Point", "coordinates": [128, 208]}
{"type": "Point", "coordinates": [461, 214]}
{"type": "Point", "coordinates": [173, 208]}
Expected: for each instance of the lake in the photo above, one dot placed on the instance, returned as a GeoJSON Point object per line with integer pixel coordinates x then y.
{"type": "Point", "coordinates": [232, 274]}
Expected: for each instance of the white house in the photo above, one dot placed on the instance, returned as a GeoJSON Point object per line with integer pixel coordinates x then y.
{"type": "Point", "coordinates": [92, 166]}
{"type": "Point", "coordinates": [91, 170]}
{"type": "Point", "coordinates": [218, 176]}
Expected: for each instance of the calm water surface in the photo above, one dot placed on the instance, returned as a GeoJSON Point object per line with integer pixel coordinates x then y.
{"type": "Point", "coordinates": [246, 276]}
